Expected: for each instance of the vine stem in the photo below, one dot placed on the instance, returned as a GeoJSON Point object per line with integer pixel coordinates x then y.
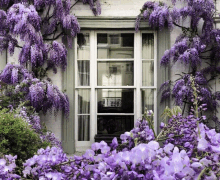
{"type": "Point", "coordinates": [201, 173]}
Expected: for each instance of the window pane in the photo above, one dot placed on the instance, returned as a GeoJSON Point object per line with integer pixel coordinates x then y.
{"type": "Point", "coordinates": [83, 73]}
{"type": "Point", "coordinates": [114, 124]}
{"type": "Point", "coordinates": [147, 46]}
{"type": "Point", "coordinates": [147, 99]}
{"type": "Point", "coordinates": [147, 73]}
{"type": "Point", "coordinates": [116, 73]}
{"type": "Point", "coordinates": [83, 46]}
{"type": "Point", "coordinates": [115, 45]}
{"type": "Point", "coordinates": [84, 101]}
{"type": "Point", "coordinates": [83, 128]}
{"type": "Point", "coordinates": [115, 100]}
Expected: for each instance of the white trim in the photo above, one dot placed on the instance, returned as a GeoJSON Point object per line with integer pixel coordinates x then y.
{"type": "Point", "coordinates": [138, 74]}
{"type": "Point", "coordinates": [155, 82]}
{"type": "Point", "coordinates": [101, 22]}
{"type": "Point", "coordinates": [148, 59]}
{"type": "Point", "coordinates": [115, 87]}
{"type": "Point", "coordinates": [76, 94]}
{"type": "Point", "coordinates": [99, 60]}
{"type": "Point", "coordinates": [82, 87]}
{"type": "Point", "coordinates": [116, 114]}
{"type": "Point", "coordinates": [148, 87]}
{"type": "Point", "coordinates": [93, 83]}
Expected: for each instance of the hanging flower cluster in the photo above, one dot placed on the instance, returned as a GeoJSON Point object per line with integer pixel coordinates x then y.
{"type": "Point", "coordinates": [13, 74]}
{"type": "Point", "coordinates": [36, 22]}
{"type": "Point", "coordinates": [41, 94]}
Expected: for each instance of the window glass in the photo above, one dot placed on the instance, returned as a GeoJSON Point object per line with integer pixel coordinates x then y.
{"type": "Point", "coordinates": [83, 127]}
{"type": "Point", "coordinates": [84, 101]}
{"type": "Point", "coordinates": [115, 100]}
{"type": "Point", "coordinates": [116, 73]}
{"type": "Point", "coordinates": [147, 46]}
{"type": "Point", "coordinates": [147, 99]}
{"type": "Point", "coordinates": [147, 73]}
{"type": "Point", "coordinates": [83, 73]}
{"type": "Point", "coordinates": [83, 46]}
{"type": "Point", "coordinates": [115, 45]}
{"type": "Point", "coordinates": [113, 124]}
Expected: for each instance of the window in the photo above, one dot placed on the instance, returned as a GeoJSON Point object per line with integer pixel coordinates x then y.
{"type": "Point", "coordinates": [115, 81]}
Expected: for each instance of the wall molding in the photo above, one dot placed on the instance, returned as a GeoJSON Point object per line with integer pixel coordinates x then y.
{"type": "Point", "coordinates": [91, 22]}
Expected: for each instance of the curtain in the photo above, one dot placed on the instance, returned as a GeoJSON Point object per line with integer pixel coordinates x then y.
{"type": "Point", "coordinates": [83, 114]}
{"type": "Point", "coordinates": [83, 73]}
{"type": "Point", "coordinates": [83, 128]}
{"type": "Point", "coordinates": [147, 46]}
{"type": "Point", "coordinates": [147, 99]}
{"type": "Point", "coordinates": [148, 66]}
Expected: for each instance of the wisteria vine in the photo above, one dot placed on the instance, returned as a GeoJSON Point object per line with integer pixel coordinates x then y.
{"type": "Point", "coordinates": [197, 48]}
{"type": "Point", "coordinates": [39, 24]}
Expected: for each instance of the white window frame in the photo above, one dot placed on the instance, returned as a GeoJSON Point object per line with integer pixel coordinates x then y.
{"type": "Point", "coordinates": [83, 145]}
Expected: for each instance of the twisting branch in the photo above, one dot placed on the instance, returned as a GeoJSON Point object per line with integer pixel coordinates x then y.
{"type": "Point", "coordinates": [18, 46]}
{"type": "Point", "coordinates": [54, 38]}
{"type": "Point", "coordinates": [187, 28]}
{"type": "Point", "coordinates": [74, 4]}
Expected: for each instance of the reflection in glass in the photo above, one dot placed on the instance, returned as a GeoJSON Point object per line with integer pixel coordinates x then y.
{"type": "Point", "coordinates": [147, 46]}
{"type": "Point", "coordinates": [116, 73]}
{"type": "Point", "coordinates": [115, 45]}
{"type": "Point", "coordinates": [83, 127]}
{"type": "Point", "coordinates": [147, 99]}
{"type": "Point", "coordinates": [83, 73]}
{"type": "Point", "coordinates": [84, 101]}
{"type": "Point", "coordinates": [115, 100]}
{"type": "Point", "coordinates": [147, 73]}
{"type": "Point", "coordinates": [114, 124]}
{"type": "Point", "coordinates": [83, 46]}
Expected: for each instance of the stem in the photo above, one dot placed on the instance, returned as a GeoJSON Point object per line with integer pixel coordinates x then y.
{"type": "Point", "coordinates": [152, 127]}
{"type": "Point", "coordinates": [161, 132]}
{"type": "Point", "coordinates": [74, 4]}
{"type": "Point", "coordinates": [168, 138]}
{"type": "Point", "coordinates": [184, 108]}
{"type": "Point", "coordinates": [201, 173]}
{"type": "Point", "coordinates": [54, 38]}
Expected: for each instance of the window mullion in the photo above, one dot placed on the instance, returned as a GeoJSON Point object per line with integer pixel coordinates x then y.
{"type": "Point", "coordinates": [76, 92]}
{"type": "Point", "coordinates": [93, 82]}
{"type": "Point", "coordinates": [155, 81]}
{"type": "Point", "coordinates": [138, 73]}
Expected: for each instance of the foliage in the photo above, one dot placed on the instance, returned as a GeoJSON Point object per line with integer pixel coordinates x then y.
{"type": "Point", "coordinates": [17, 137]}
{"type": "Point", "coordinates": [197, 48]}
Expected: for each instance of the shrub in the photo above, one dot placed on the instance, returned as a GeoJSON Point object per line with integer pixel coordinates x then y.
{"type": "Point", "coordinates": [17, 137]}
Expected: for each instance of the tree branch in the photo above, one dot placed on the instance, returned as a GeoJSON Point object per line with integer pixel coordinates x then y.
{"type": "Point", "coordinates": [18, 46]}
{"type": "Point", "coordinates": [74, 4]}
{"type": "Point", "coordinates": [54, 38]}
{"type": "Point", "coordinates": [181, 26]}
